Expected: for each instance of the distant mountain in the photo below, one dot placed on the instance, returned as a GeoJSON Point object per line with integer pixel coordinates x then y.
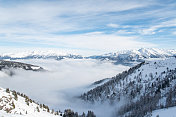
{"type": "Point", "coordinates": [136, 55]}
{"type": "Point", "coordinates": [119, 57]}
{"type": "Point", "coordinates": [145, 87]}
{"type": "Point", "coordinates": [39, 55]}
{"type": "Point", "coordinates": [8, 67]}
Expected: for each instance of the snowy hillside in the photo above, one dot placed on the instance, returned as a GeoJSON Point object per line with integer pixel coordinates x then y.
{"type": "Point", "coordinates": [7, 68]}
{"type": "Point", "coordinates": [13, 104]}
{"type": "Point", "coordinates": [146, 87]}
{"type": "Point", "coordinates": [12, 64]}
{"type": "Point", "coordinates": [170, 112]}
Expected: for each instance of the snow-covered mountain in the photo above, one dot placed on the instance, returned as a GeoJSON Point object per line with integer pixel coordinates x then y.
{"type": "Point", "coordinates": [135, 55]}
{"type": "Point", "coordinates": [146, 87]}
{"type": "Point", "coordinates": [14, 104]}
{"type": "Point", "coordinates": [117, 57]}
{"type": "Point", "coordinates": [50, 54]}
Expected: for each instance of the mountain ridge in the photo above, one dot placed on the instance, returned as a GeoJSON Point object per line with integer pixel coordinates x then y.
{"type": "Point", "coordinates": [126, 57]}
{"type": "Point", "coordinates": [12, 64]}
{"type": "Point", "coordinates": [127, 54]}
{"type": "Point", "coordinates": [136, 55]}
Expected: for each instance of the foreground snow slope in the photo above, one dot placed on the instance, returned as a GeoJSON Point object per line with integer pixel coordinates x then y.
{"type": "Point", "coordinates": [13, 104]}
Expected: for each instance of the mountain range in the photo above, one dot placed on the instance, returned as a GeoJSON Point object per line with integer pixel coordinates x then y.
{"type": "Point", "coordinates": [136, 55]}
{"type": "Point", "coordinates": [117, 57]}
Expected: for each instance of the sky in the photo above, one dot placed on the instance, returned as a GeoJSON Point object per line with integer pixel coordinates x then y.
{"type": "Point", "coordinates": [87, 26]}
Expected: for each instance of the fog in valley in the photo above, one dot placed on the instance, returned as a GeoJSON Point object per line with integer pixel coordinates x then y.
{"type": "Point", "coordinates": [63, 81]}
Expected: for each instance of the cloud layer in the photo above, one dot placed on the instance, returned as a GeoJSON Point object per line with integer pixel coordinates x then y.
{"type": "Point", "coordinates": [67, 23]}
{"type": "Point", "coordinates": [65, 79]}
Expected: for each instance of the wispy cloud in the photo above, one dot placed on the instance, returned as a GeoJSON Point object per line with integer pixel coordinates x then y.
{"type": "Point", "coordinates": [91, 42]}
{"type": "Point", "coordinates": [113, 25]}
{"type": "Point", "coordinates": [174, 33]}
{"type": "Point", "coordinates": [165, 24]}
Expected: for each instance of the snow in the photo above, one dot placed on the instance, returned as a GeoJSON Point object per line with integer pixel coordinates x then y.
{"type": "Point", "coordinates": [35, 67]}
{"type": "Point", "coordinates": [170, 112]}
{"type": "Point", "coordinates": [3, 74]}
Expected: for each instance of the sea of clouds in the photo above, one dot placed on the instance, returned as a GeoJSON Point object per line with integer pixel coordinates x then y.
{"type": "Point", "coordinates": [63, 81]}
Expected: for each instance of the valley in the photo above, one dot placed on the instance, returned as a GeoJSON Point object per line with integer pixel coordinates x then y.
{"type": "Point", "coordinates": [87, 84]}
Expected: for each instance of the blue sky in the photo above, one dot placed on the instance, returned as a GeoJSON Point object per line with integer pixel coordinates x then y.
{"type": "Point", "coordinates": [88, 26]}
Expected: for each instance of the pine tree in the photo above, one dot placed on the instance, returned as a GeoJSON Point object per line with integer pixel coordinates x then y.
{"type": "Point", "coordinates": [13, 105]}
{"type": "Point", "coordinates": [37, 109]}
{"type": "Point", "coordinates": [7, 90]}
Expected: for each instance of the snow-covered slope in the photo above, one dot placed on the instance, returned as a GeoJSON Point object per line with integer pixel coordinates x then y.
{"type": "Point", "coordinates": [146, 87]}
{"type": "Point", "coordinates": [13, 104]}
{"type": "Point", "coordinates": [12, 64]}
{"type": "Point", "coordinates": [167, 112]}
